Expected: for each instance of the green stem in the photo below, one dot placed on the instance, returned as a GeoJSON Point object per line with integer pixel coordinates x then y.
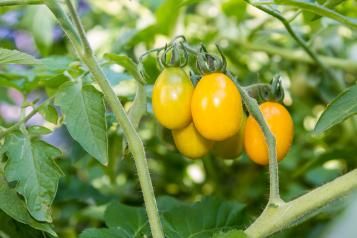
{"type": "Point", "coordinates": [5, 3]}
{"type": "Point", "coordinates": [78, 40]}
{"type": "Point", "coordinates": [296, 37]}
{"type": "Point", "coordinates": [298, 55]}
{"type": "Point", "coordinates": [274, 219]}
{"type": "Point", "coordinates": [314, 8]}
{"type": "Point", "coordinates": [24, 119]}
{"type": "Point", "coordinates": [253, 108]}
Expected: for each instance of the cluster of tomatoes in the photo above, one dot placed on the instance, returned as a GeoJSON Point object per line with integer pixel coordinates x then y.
{"type": "Point", "coordinates": [210, 117]}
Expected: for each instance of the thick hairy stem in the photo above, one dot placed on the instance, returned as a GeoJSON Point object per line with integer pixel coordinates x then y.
{"type": "Point", "coordinates": [274, 219]}
{"type": "Point", "coordinates": [253, 108]}
{"type": "Point", "coordinates": [5, 3]}
{"type": "Point", "coordinates": [80, 43]}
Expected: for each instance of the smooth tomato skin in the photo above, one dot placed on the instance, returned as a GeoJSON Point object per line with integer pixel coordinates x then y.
{"type": "Point", "coordinates": [171, 98]}
{"type": "Point", "coordinates": [190, 143]}
{"type": "Point", "coordinates": [280, 124]}
{"type": "Point", "coordinates": [216, 107]}
{"type": "Point", "coordinates": [232, 147]}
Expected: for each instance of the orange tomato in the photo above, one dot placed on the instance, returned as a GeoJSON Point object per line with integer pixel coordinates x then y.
{"type": "Point", "coordinates": [171, 98]}
{"type": "Point", "coordinates": [190, 143]}
{"type": "Point", "coordinates": [216, 107]}
{"type": "Point", "coordinates": [281, 125]}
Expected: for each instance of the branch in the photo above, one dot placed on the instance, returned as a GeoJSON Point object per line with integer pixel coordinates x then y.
{"type": "Point", "coordinates": [253, 108]}
{"type": "Point", "coordinates": [298, 55]}
{"type": "Point", "coordinates": [274, 219]}
{"type": "Point", "coordinates": [314, 8]}
{"type": "Point", "coordinates": [296, 37]}
{"type": "Point", "coordinates": [81, 45]}
{"type": "Point", "coordinates": [24, 119]}
{"type": "Point", "coordinates": [6, 3]}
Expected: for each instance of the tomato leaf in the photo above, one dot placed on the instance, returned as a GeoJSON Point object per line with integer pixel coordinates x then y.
{"type": "Point", "coordinates": [50, 114]}
{"type": "Point", "coordinates": [84, 115]}
{"type": "Point", "coordinates": [39, 20]}
{"type": "Point", "coordinates": [16, 57]}
{"type": "Point", "coordinates": [342, 107]}
{"type": "Point", "coordinates": [15, 207]}
{"type": "Point", "coordinates": [105, 233]}
{"type": "Point", "coordinates": [127, 63]}
{"type": "Point", "coordinates": [180, 220]}
{"type": "Point", "coordinates": [131, 219]}
{"type": "Point", "coordinates": [31, 165]}
{"type": "Point", "coordinates": [202, 219]}
{"type": "Point", "coordinates": [231, 234]}
{"type": "Point", "coordinates": [138, 108]}
{"type": "Point", "coordinates": [38, 130]}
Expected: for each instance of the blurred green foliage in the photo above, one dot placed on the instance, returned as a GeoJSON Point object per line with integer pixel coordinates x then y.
{"type": "Point", "coordinates": [131, 28]}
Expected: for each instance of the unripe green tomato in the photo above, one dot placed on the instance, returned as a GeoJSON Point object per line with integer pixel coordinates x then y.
{"type": "Point", "coordinates": [171, 98]}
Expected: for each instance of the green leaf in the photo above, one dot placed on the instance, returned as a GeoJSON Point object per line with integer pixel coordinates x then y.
{"type": "Point", "coordinates": [329, 4]}
{"type": "Point", "coordinates": [342, 107]}
{"type": "Point", "coordinates": [84, 115]}
{"type": "Point", "coordinates": [165, 23]}
{"type": "Point", "coordinates": [132, 220]}
{"type": "Point", "coordinates": [231, 234]}
{"type": "Point", "coordinates": [16, 57]}
{"type": "Point", "coordinates": [11, 228]}
{"type": "Point", "coordinates": [50, 114]}
{"type": "Point", "coordinates": [31, 164]}
{"type": "Point", "coordinates": [40, 22]}
{"type": "Point", "coordinates": [105, 233]}
{"type": "Point", "coordinates": [138, 108]}
{"type": "Point", "coordinates": [127, 63]}
{"type": "Point", "coordinates": [15, 207]}
{"type": "Point", "coordinates": [38, 130]}
{"type": "Point", "coordinates": [320, 10]}
{"type": "Point", "coordinates": [202, 219]}
{"type": "Point", "coordinates": [180, 220]}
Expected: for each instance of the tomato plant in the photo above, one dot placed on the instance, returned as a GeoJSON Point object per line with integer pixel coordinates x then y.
{"type": "Point", "coordinates": [104, 112]}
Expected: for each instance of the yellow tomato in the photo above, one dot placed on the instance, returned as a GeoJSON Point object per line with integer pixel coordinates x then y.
{"type": "Point", "coordinates": [281, 125]}
{"type": "Point", "coordinates": [232, 147]}
{"type": "Point", "coordinates": [190, 143]}
{"type": "Point", "coordinates": [216, 107]}
{"type": "Point", "coordinates": [171, 98]}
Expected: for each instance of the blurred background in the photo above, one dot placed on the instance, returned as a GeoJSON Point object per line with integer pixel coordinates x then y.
{"type": "Point", "coordinates": [257, 47]}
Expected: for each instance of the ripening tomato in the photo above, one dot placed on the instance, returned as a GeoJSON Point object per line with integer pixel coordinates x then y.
{"type": "Point", "coordinates": [216, 107]}
{"type": "Point", "coordinates": [190, 143]}
{"type": "Point", "coordinates": [171, 98]}
{"type": "Point", "coordinates": [281, 126]}
{"type": "Point", "coordinates": [232, 147]}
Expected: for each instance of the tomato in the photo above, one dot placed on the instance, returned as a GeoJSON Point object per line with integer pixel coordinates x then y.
{"type": "Point", "coordinates": [216, 107]}
{"type": "Point", "coordinates": [281, 126]}
{"type": "Point", "coordinates": [190, 143]}
{"type": "Point", "coordinates": [232, 147]}
{"type": "Point", "coordinates": [171, 98]}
